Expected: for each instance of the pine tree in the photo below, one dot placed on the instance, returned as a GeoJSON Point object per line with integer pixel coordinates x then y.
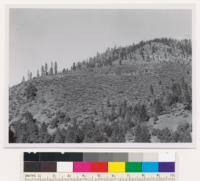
{"type": "Point", "coordinates": [43, 134]}
{"type": "Point", "coordinates": [157, 106]}
{"type": "Point", "coordinates": [74, 66]}
{"type": "Point", "coordinates": [46, 69]}
{"type": "Point", "coordinates": [31, 75]}
{"type": "Point", "coordinates": [63, 71]}
{"type": "Point", "coordinates": [28, 75]}
{"type": "Point", "coordinates": [140, 113]}
{"type": "Point", "coordinates": [23, 79]}
{"type": "Point", "coordinates": [151, 90]}
{"type": "Point", "coordinates": [186, 95]}
{"type": "Point", "coordinates": [42, 71]}
{"type": "Point", "coordinates": [38, 73]}
{"type": "Point", "coordinates": [120, 62]}
{"type": "Point", "coordinates": [55, 68]}
{"type": "Point", "coordinates": [51, 69]}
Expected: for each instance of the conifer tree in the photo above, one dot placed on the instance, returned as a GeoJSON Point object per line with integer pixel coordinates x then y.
{"type": "Point", "coordinates": [51, 69]}
{"type": "Point", "coordinates": [151, 90]}
{"type": "Point", "coordinates": [120, 62]}
{"type": "Point", "coordinates": [55, 68]}
{"type": "Point", "coordinates": [38, 73]}
{"type": "Point", "coordinates": [28, 75]}
{"type": "Point", "coordinates": [23, 79]}
{"type": "Point", "coordinates": [63, 71]}
{"type": "Point", "coordinates": [74, 66]}
{"type": "Point", "coordinates": [42, 71]}
{"type": "Point", "coordinates": [46, 69]}
{"type": "Point", "coordinates": [31, 75]}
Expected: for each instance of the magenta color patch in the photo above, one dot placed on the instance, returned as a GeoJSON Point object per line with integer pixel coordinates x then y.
{"type": "Point", "coordinates": [82, 167]}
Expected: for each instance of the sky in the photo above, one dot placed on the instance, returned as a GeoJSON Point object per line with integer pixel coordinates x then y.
{"type": "Point", "coordinates": [37, 36]}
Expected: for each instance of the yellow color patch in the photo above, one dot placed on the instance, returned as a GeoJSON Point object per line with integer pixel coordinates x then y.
{"type": "Point", "coordinates": [116, 167]}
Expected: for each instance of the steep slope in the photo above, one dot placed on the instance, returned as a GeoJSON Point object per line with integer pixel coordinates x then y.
{"type": "Point", "coordinates": [92, 97]}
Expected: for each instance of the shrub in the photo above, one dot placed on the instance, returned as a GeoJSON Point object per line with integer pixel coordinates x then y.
{"type": "Point", "coordinates": [59, 138]}
{"type": "Point", "coordinates": [169, 101]}
{"type": "Point", "coordinates": [165, 135]}
{"type": "Point", "coordinates": [27, 131]}
{"type": "Point", "coordinates": [32, 128]}
{"type": "Point", "coordinates": [155, 132]}
{"type": "Point", "coordinates": [183, 133]}
{"type": "Point", "coordinates": [118, 132]}
{"type": "Point", "coordinates": [157, 106]}
{"type": "Point", "coordinates": [108, 130]}
{"type": "Point", "coordinates": [43, 135]}
{"type": "Point", "coordinates": [186, 95]}
{"type": "Point", "coordinates": [142, 134]}
{"type": "Point", "coordinates": [30, 92]}
{"type": "Point", "coordinates": [28, 117]}
{"type": "Point", "coordinates": [176, 92]}
{"type": "Point", "coordinates": [140, 113]}
{"type": "Point", "coordinates": [95, 136]}
{"type": "Point", "coordinates": [60, 117]}
{"type": "Point", "coordinates": [21, 133]}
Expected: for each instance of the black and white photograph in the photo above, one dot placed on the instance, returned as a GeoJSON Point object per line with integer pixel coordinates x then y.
{"type": "Point", "coordinates": [100, 75]}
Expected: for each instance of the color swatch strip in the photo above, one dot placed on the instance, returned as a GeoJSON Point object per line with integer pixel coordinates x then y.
{"type": "Point", "coordinates": [102, 157]}
{"type": "Point", "coordinates": [74, 162]}
{"type": "Point", "coordinates": [112, 167]}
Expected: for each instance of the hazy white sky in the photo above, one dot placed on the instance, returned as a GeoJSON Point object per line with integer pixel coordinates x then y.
{"type": "Point", "coordinates": [66, 36]}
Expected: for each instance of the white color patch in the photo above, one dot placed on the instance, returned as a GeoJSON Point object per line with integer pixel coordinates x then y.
{"type": "Point", "coordinates": [64, 166]}
{"type": "Point", "coordinates": [167, 157]}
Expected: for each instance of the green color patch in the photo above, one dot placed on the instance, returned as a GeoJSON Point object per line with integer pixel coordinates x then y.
{"type": "Point", "coordinates": [133, 166]}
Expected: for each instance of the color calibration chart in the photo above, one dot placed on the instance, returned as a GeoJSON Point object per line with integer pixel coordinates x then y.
{"type": "Point", "coordinates": [52, 166]}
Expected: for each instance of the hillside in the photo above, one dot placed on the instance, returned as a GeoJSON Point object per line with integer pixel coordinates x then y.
{"type": "Point", "coordinates": [139, 93]}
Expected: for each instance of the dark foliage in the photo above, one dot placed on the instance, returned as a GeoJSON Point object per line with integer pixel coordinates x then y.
{"type": "Point", "coordinates": [30, 92]}
{"type": "Point", "coordinates": [157, 107]}
{"type": "Point", "coordinates": [12, 138]}
{"type": "Point", "coordinates": [142, 134]}
{"type": "Point", "coordinates": [140, 113]}
{"type": "Point", "coordinates": [181, 134]}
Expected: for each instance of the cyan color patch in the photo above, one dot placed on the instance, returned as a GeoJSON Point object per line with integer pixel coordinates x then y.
{"type": "Point", "coordinates": [149, 166]}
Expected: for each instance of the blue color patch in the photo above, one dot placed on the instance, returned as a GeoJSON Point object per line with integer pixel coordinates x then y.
{"type": "Point", "coordinates": [149, 166]}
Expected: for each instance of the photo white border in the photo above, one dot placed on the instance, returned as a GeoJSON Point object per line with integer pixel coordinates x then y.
{"type": "Point", "coordinates": [141, 6]}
